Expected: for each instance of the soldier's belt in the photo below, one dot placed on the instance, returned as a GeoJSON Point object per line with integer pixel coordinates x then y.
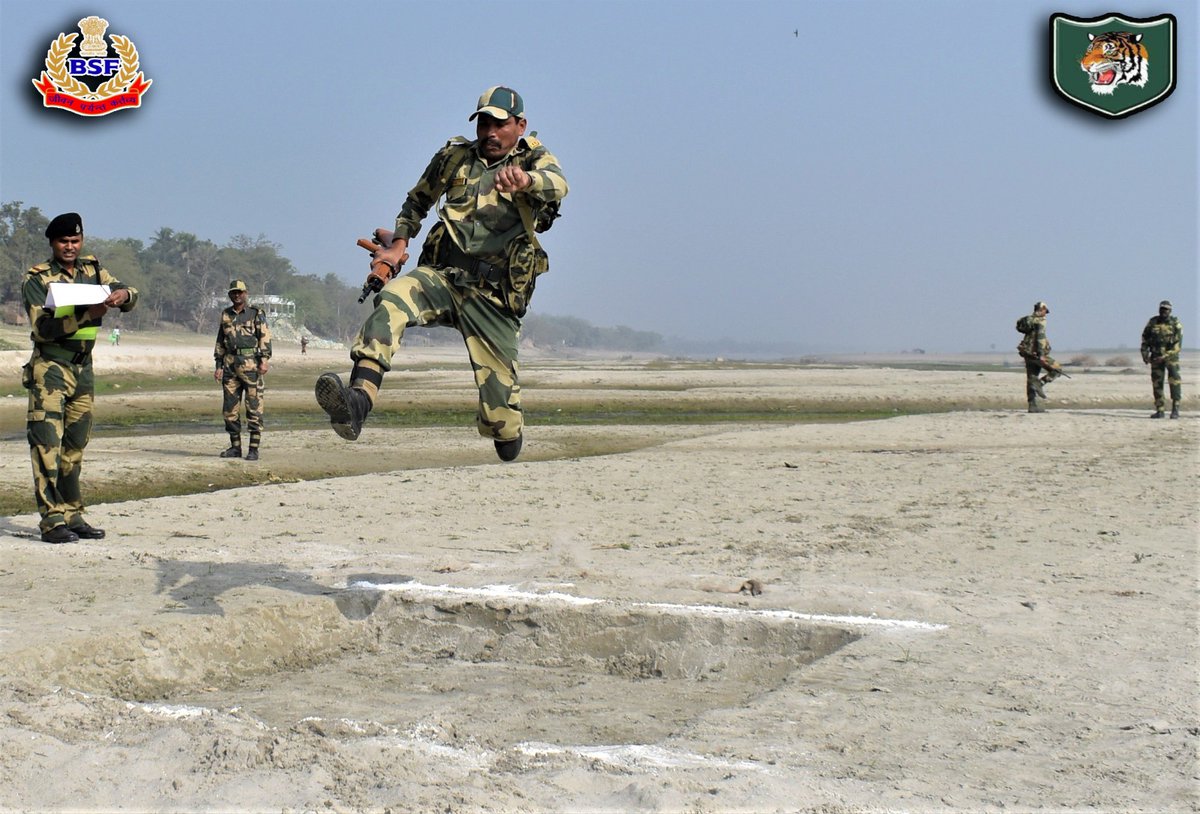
{"type": "Point", "coordinates": [68, 356]}
{"type": "Point", "coordinates": [453, 256]}
{"type": "Point", "coordinates": [246, 351]}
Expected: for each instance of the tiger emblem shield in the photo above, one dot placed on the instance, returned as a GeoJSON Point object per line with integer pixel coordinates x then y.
{"type": "Point", "coordinates": [1113, 65]}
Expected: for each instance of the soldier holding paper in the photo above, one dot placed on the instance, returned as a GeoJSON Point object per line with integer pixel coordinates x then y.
{"type": "Point", "coordinates": [59, 377]}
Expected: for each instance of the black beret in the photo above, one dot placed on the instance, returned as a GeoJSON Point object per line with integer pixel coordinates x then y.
{"type": "Point", "coordinates": [66, 224]}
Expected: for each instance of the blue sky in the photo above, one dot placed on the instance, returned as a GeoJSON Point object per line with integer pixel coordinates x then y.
{"type": "Point", "coordinates": [899, 175]}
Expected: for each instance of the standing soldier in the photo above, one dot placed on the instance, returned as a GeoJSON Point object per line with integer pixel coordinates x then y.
{"type": "Point", "coordinates": [1162, 340]}
{"type": "Point", "coordinates": [243, 348]}
{"type": "Point", "coordinates": [1040, 369]}
{"type": "Point", "coordinates": [60, 380]}
{"type": "Point", "coordinates": [476, 271]}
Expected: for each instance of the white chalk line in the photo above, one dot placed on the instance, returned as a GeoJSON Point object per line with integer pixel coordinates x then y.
{"type": "Point", "coordinates": [474, 757]}
{"type": "Point", "coordinates": [638, 755]}
{"type": "Point", "coordinates": [509, 592]}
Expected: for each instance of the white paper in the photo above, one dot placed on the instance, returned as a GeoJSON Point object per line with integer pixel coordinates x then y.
{"type": "Point", "coordinates": [64, 294]}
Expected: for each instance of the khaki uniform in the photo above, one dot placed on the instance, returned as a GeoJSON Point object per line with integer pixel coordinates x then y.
{"type": "Point", "coordinates": [61, 386]}
{"type": "Point", "coordinates": [1033, 347]}
{"type": "Point", "coordinates": [243, 342]}
{"type": "Point", "coordinates": [476, 272]}
{"type": "Point", "coordinates": [1162, 341]}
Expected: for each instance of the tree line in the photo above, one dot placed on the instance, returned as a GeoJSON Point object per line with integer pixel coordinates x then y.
{"type": "Point", "coordinates": [181, 279]}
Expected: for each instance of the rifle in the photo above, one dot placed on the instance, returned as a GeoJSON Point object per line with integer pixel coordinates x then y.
{"type": "Point", "coordinates": [381, 239]}
{"type": "Point", "coordinates": [1057, 370]}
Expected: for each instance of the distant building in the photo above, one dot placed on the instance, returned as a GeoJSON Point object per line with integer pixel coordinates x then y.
{"type": "Point", "coordinates": [276, 307]}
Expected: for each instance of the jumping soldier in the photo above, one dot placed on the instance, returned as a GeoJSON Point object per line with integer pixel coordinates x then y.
{"type": "Point", "coordinates": [60, 380]}
{"type": "Point", "coordinates": [1162, 340]}
{"type": "Point", "coordinates": [241, 355]}
{"type": "Point", "coordinates": [476, 271]}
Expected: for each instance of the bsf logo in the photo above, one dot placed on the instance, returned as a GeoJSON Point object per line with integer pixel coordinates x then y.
{"type": "Point", "coordinates": [1113, 65]}
{"type": "Point", "coordinates": [85, 79]}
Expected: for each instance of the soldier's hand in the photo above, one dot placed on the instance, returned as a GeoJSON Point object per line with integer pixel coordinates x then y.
{"type": "Point", "coordinates": [217, 375]}
{"type": "Point", "coordinates": [96, 311]}
{"type": "Point", "coordinates": [386, 262]}
{"type": "Point", "coordinates": [262, 367]}
{"type": "Point", "coordinates": [395, 254]}
{"type": "Point", "coordinates": [512, 179]}
{"type": "Point", "coordinates": [117, 298]}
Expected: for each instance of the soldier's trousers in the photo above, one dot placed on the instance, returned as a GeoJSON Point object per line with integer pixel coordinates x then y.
{"type": "Point", "coordinates": [239, 382]}
{"type": "Point", "coordinates": [430, 296]}
{"type": "Point", "coordinates": [58, 426]}
{"type": "Point", "coordinates": [1034, 370]}
{"type": "Point", "coordinates": [1168, 372]}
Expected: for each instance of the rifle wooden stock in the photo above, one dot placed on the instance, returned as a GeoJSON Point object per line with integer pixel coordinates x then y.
{"type": "Point", "coordinates": [375, 282]}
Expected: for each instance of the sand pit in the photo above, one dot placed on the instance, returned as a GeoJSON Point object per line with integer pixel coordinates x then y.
{"type": "Point", "coordinates": [969, 610]}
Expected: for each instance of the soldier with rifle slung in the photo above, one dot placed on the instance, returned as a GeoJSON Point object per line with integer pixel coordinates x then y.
{"type": "Point", "coordinates": [1040, 368]}
{"type": "Point", "coordinates": [1162, 340]}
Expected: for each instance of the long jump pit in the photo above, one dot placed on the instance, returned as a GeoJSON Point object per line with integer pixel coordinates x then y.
{"type": "Point", "coordinates": [347, 682]}
{"type": "Point", "coordinates": [395, 641]}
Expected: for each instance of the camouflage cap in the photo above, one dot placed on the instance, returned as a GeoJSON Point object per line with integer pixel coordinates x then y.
{"type": "Point", "coordinates": [237, 285]}
{"type": "Point", "coordinates": [65, 225]}
{"type": "Point", "coordinates": [500, 102]}
{"type": "Point", "coordinates": [1039, 305]}
{"type": "Point", "coordinates": [1165, 304]}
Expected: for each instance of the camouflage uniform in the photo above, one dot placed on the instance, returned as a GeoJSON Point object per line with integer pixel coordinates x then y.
{"type": "Point", "coordinates": [1035, 348]}
{"type": "Point", "coordinates": [1162, 340]}
{"type": "Point", "coordinates": [476, 273]}
{"type": "Point", "coordinates": [61, 386]}
{"type": "Point", "coordinates": [243, 343]}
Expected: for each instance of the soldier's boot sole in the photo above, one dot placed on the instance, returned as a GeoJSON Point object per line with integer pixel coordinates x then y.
{"type": "Point", "coordinates": [509, 450]}
{"type": "Point", "coordinates": [340, 404]}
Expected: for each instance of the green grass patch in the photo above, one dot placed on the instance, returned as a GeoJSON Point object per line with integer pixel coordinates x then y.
{"type": "Point", "coordinates": [206, 416]}
{"type": "Point", "coordinates": [14, 500]}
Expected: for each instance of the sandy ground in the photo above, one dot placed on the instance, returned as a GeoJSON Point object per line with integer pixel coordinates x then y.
{"type": "Point", "coordinates": [981, 610]}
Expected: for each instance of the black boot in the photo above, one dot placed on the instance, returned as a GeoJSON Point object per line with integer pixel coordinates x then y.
{"type": "Point", "coordinates": [1174, 409]}
{"type": "Point", "coordinates": [508, 450]}
{"type": "Point", "coordinates": [1158, 413]}
{"type": "Point", "coordinates": [59, 535]}
{"type": "Point", "coordinates": [1034, 407]}
{"type": "Point", "coordinates": [86, 531]}
{"type": "Point", "coordinates": [235, 445]}
{"type": "Point", "coordinates": [252, 454]}
{"type": "Point", "coordinates": [347, 407]}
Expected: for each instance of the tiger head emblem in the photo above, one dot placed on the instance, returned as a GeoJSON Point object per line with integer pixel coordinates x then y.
{"type": "Point", "coordinates": [1115, 58]}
